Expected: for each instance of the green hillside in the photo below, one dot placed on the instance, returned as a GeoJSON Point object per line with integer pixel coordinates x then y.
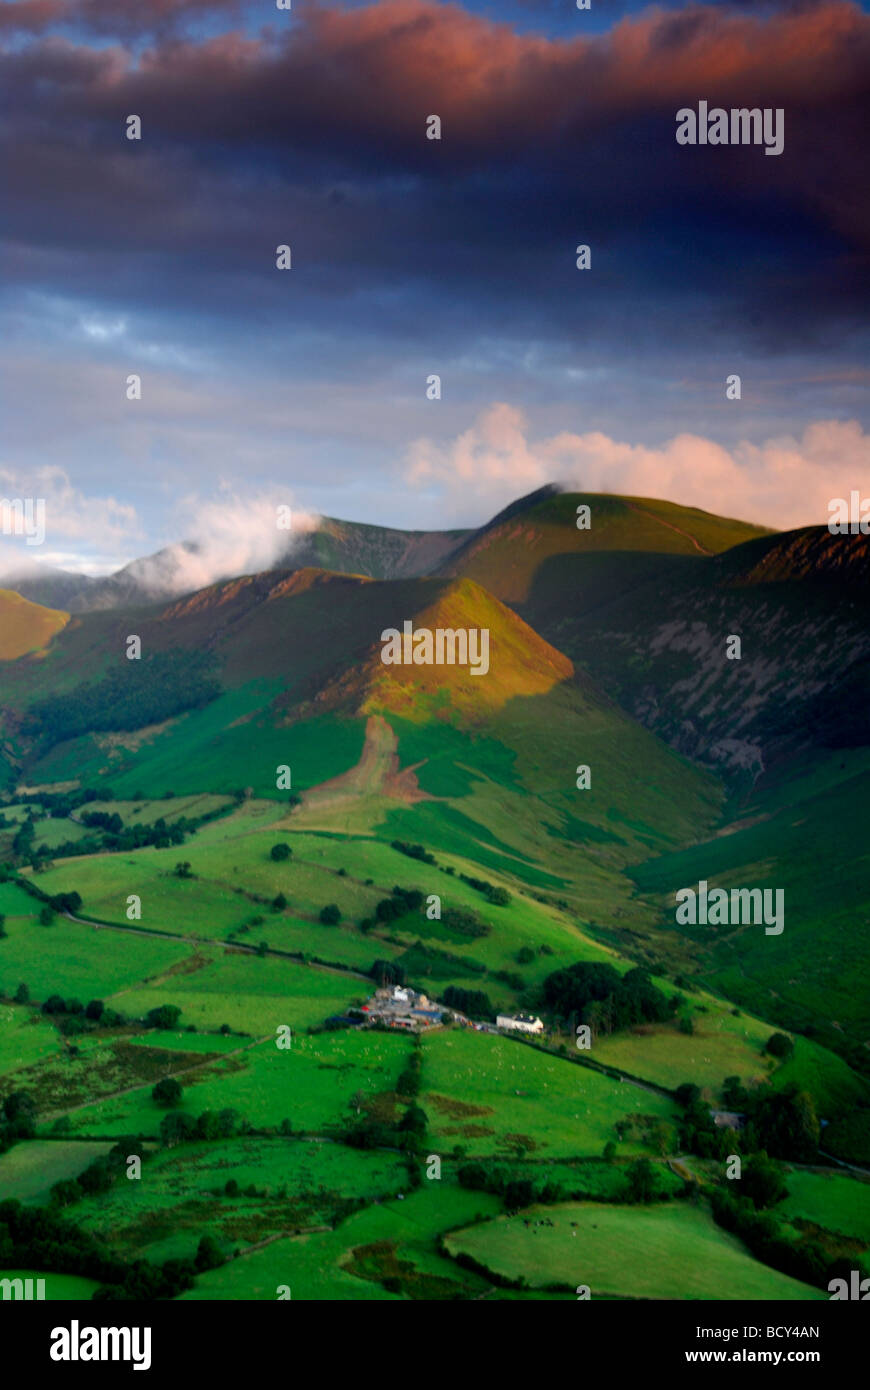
{"type": "Point", "coordinates": [232, 840]}
{"type": "Point", "coordinates": [509, 554]}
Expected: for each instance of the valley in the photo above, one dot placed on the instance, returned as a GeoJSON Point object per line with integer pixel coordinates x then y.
{"type": "Point", "coordinates": [171, 900]}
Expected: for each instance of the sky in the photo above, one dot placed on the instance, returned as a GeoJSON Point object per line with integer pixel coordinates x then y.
{"type": "Point", "coordinates": [412, 257]}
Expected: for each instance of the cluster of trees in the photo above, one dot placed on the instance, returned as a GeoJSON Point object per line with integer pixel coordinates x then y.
{"type": "Point", "coordinates": [367, 1131]}
{"type": "Point", "coordinates": [472, 1002]}
{"type": "Point", "coordinates": [132, 695]}
{"type": "Point", "coordinates": [779, 1045]}
{"type": "Point", "coordinates": [499, 897]}
{"type": "Point", "coordinates": [464, 922]}
{"type": "Point", "coordinates": [17, 1120]}
{"type": "Point", "coordinates": [599, 996]}
{"type": "Point", "coordinates": [60, 805]}
{"type": "Point", "coordinates": [22, 845]}
{"type": "Point", "coordinates": [523, 1189]}
{"type": "Point", "coordinates": [114, 837]}
{"type": "Point", "coordinates": [517, 1192]}
{"type": "Point", "coordinates": [65, 902]}
{"type": "Point", "coordinates": [809, 1259]}
{"type": "Point", "coordinates": [167, 1091]}
{"type": "Point", "coordinates": [75, 1017]}
{"type": "Point", "coordinates": [127, 837]}
{"type": "Point", "coordinates": [41, 1238]}
{"type": "Point", "coordinates": [387, 972]}
{"type": "Point", "coordinates": [780, 1123]}
{"type": "Point", "coordinates": [163, 1016]}
{"type": "Point", "coordinates": [98, 1177]}
{"type": "Point", "coordinates": [421, 958]}
{"type": "Point", "coordinates": [414, 851]}
{"type": "Point", "coordinates": [408, 1083]}
{"type": "Point", "coordinates": [180, 1128]}
{"type": "Point", "coordinates": [399, 904]}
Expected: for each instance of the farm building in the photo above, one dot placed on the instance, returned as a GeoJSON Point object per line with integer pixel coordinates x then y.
{"type": "Point", "coordinates": [520, 1023]}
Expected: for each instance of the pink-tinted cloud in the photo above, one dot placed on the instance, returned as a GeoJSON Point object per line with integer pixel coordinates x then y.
{"type": "Point", "coordinates": [782, 483]}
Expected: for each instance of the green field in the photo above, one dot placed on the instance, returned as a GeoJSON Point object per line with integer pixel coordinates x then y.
{"type": "Point", "coordinates": [180, 1194]}
{"type": "Point", "coordinates": [494, 1095]}
{"type": "Point", "coordinates": [830, 1200]}
{"type": "Point", "coordinates": [76, 960]}
{"type": "Point", "coordinates": [29, 1171]}
{"type": "Point", "coordinates": [24, 1038]}
{"type": "Point", "coordinates": [319, 1266]}
{"type": "Point", "coordinates": [14, 902]}
{"type": "Point", "coordinates": [670, 1251]}
{"type": "Point", "coordinates": [311, 1084]}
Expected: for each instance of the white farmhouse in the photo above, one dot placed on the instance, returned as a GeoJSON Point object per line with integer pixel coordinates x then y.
{"type": "Point", "coordinates": [520, 1023]}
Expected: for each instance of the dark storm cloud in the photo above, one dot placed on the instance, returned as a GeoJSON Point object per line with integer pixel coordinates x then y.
{"type": "Point", "coordinates": [117, 18]}
{"type": "Point", "coordinates": [313, 133]}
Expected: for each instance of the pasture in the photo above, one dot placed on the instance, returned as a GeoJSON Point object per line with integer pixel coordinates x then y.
{"type": "Point", "coordinates": [668, 1251]}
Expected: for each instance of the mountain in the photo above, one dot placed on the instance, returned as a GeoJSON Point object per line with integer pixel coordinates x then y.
{"type": "Point", "coordinates": [654, 630]}
{"type": "Point", "coordinates": [348, 547]}
{"type": "Point", "coordinates": [510, 555]}
{"type": "Point", "coordinates": [296, 657]}
{"type": "Point", "coordinates": [44, 584]}
{"type": "Point", "coordinates": [502, 555]}
{"type": "Point", "coordinates": [25, 627]}
{"type": "Point", "coordinates": [609, 649]}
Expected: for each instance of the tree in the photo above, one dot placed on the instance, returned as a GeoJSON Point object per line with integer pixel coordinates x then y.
{"type": "Point", "coordinates": [734, 1095]}
{"type": "Point", "coordinates": [22, 994]}
{"type": "Point", "coordinates": [65, 1192]}
{"type": "Point", "coordinates": [208, 1254]}
{"type": "Point", "coordinates": [167, 1092]}
{"type": "Point", "coordinates": [499, 897]}
{"type": "Point", "coordinates": [46, 916]}
{"type": "Point", "coordinates": [785, 1124]}
{"type": "Point", "coordinates": [164, 1016]}
{"type": "Point", "coordinates": [177, 1128]}
{"type": "Point", "coordinates": [525, 955]}
{"type": "Point", "coordinates": [779, 1045]}
{"type": "Point", "coordinates": [19, 1105]}
{"type": "Point", "coordinates": [414, 1121]}
{"type": "Point", "coordinates": [183, 869]}
{"type": "Point", "coordinates": [280, 852]}
{"type": "Point", "coordinates": [279, 902]}
{"type": "Point", "coordinates": [330, 915]}
{"type": "Point", "coordinates": [3, 931]}
{"type": "Point", "coordinates": [686, 1025]}
{"type": "Point", "coordinates": [762, 1181]}
{"type": "Point", "coordinates": [641, 1181]}
{"type": "Point", "coordinates": [95, 1010]}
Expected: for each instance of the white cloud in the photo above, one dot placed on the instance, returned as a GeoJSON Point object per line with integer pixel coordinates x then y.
{"type": "Point", "coordinates": [783, 483]}
{"type": "Point", "coordinates": [91, 523]}
{"type": "Point", "coordinates": [226, 536]}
